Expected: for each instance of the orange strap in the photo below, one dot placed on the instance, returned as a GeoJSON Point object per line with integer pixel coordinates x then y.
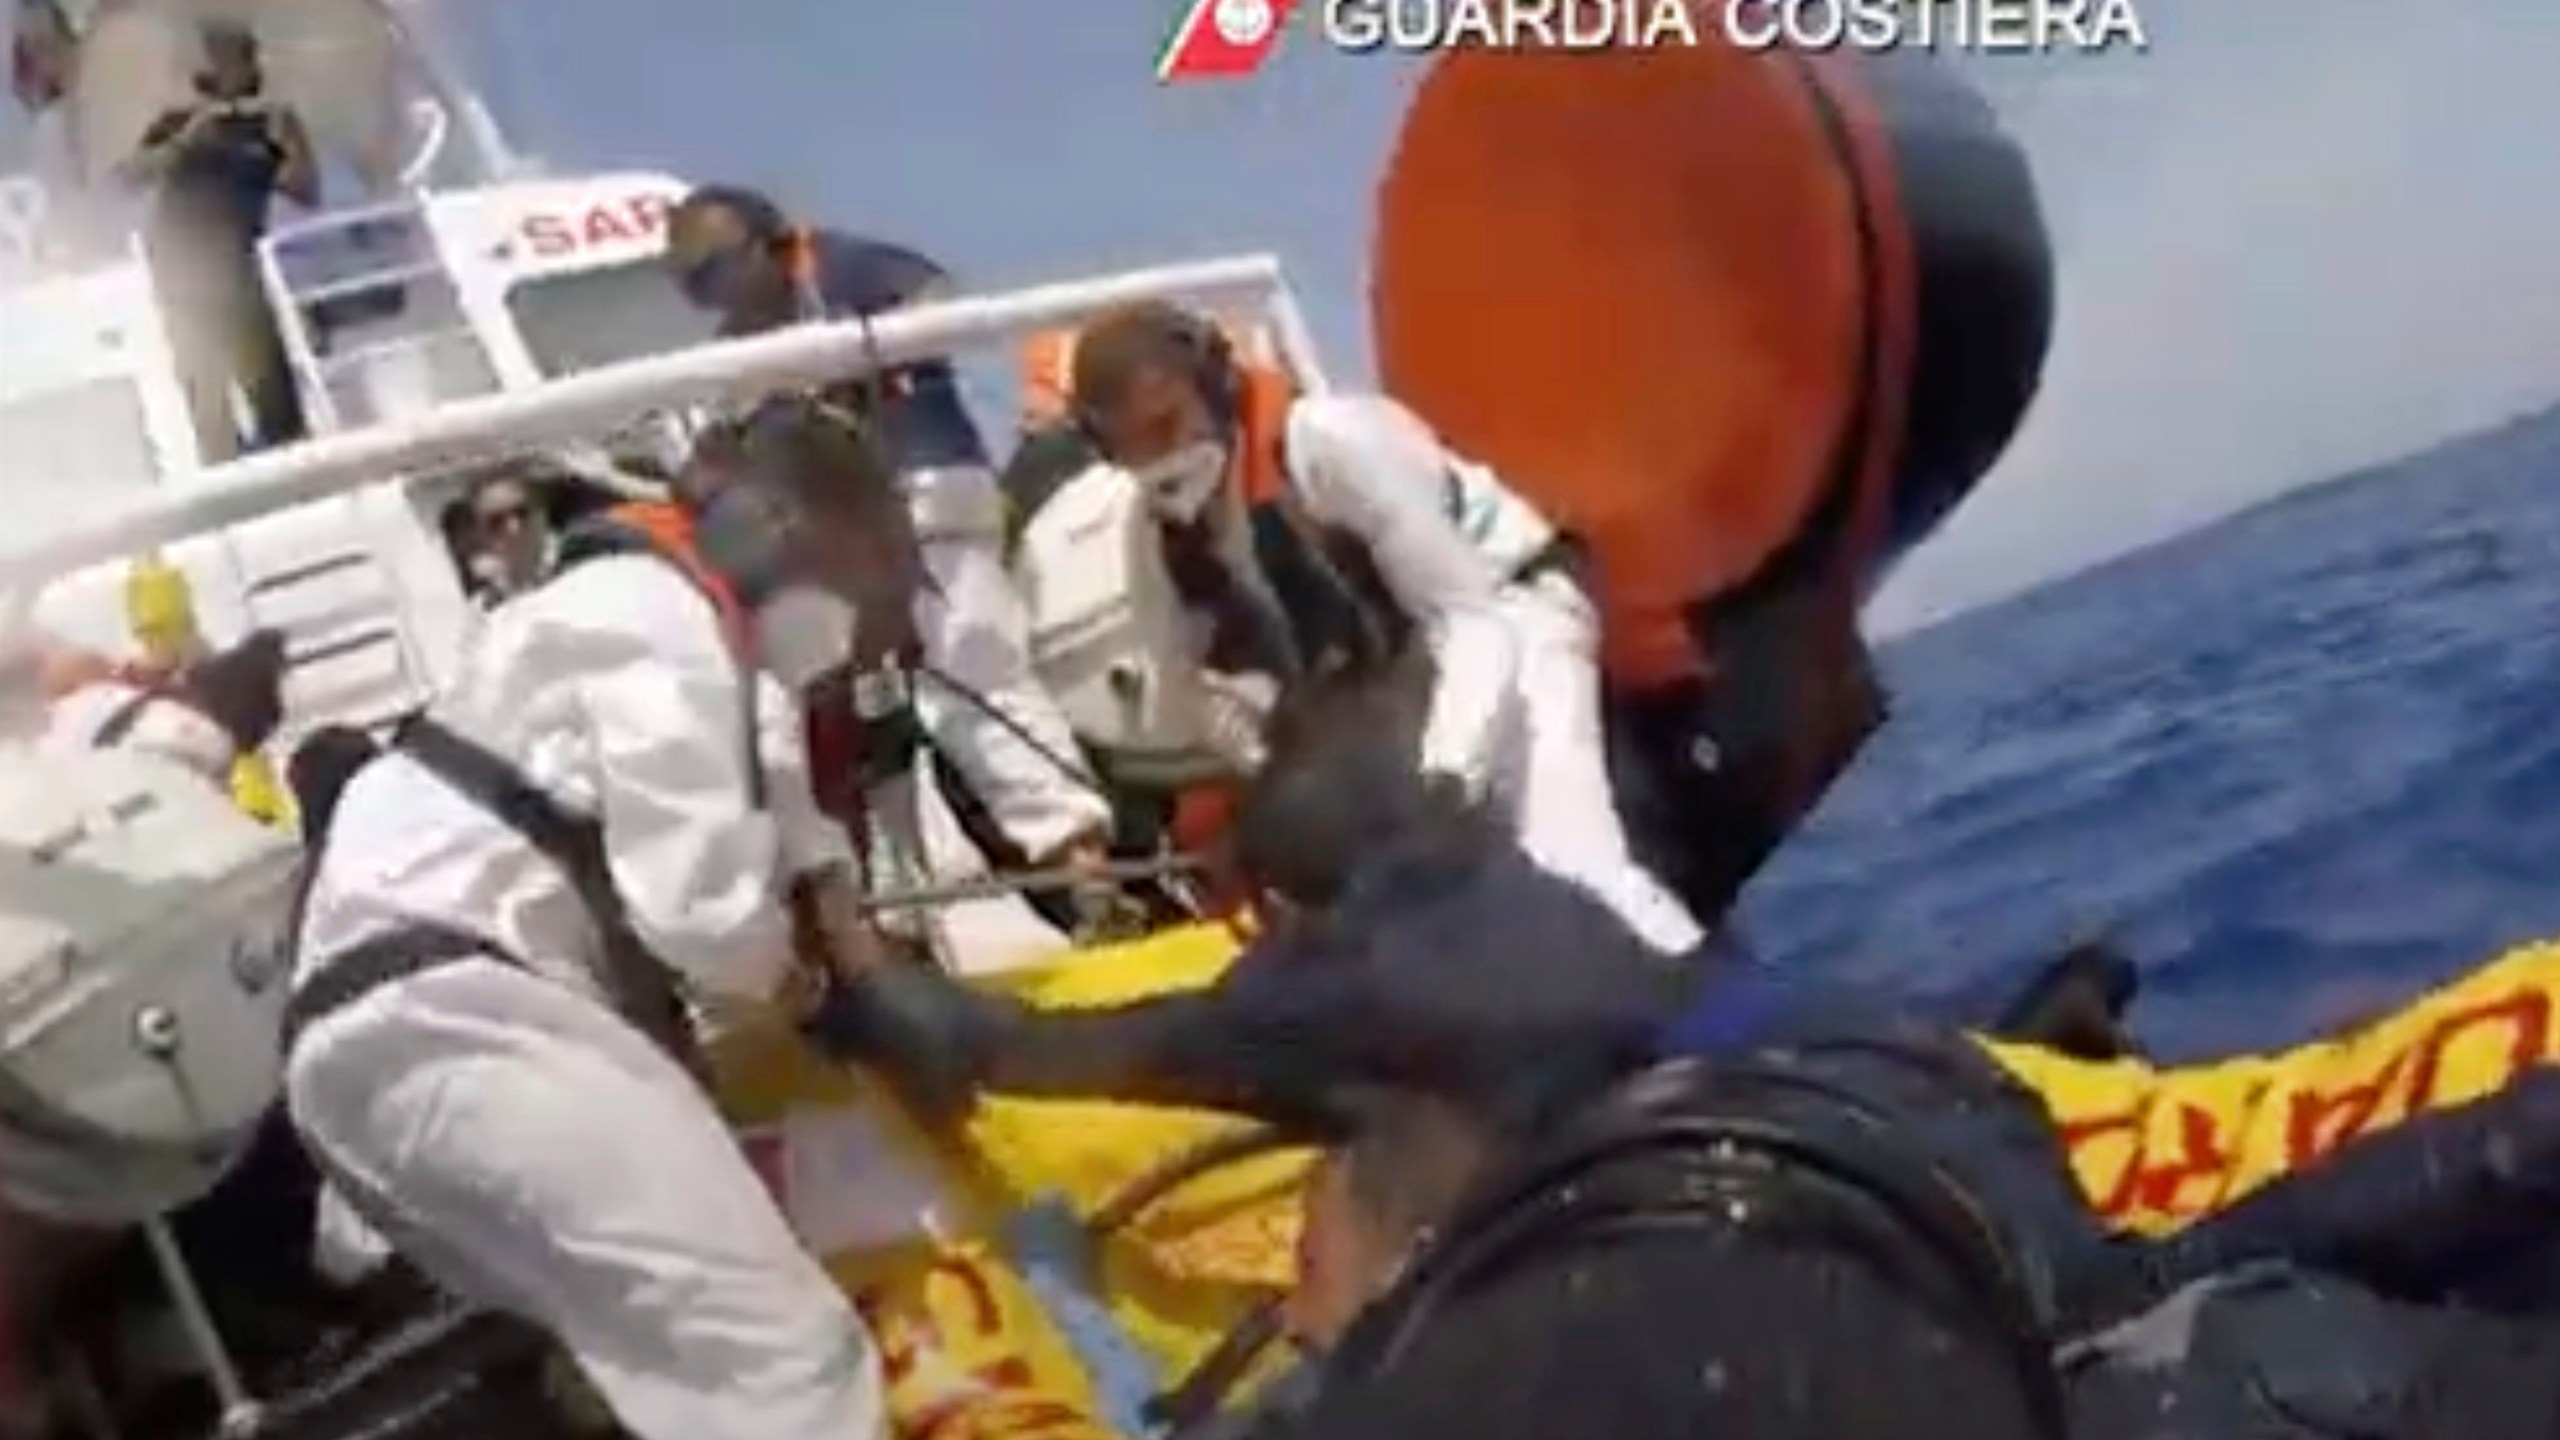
{"type": "Point", "coordinates": [800, 256]}
{"type": "Point", "coordinates": [1048, 375]}
{"type": "Point", "coordinates": [1267, 398]}
{"type": "Point", "coordinates": [668, 527]}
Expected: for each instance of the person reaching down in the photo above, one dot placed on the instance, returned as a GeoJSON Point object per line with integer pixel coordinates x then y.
{"type": "Point", "coordinates": [1487, 586]}
{"type": "Point", "coordinates": [1000, 743]}
{"type": "Point", "coordinates": [489, 1053]}
{"type": "Point", "coordinates": [1604, 1181]}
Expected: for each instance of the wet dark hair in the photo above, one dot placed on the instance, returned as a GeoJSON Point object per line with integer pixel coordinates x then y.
{"type": "Point", "coordinates": [1127, 341]}
{"type": "Point", "coordinates": [1450, 968]}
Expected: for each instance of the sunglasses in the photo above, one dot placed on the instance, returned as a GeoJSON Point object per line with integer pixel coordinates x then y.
{"type": "Point", "coordinates": [505, 517]}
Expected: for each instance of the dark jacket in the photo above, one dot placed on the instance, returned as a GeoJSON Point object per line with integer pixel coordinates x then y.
{"type": "Point", "coordinates": [1943, 1095]}
{"type": "Point", "coordinates": [924, 421]}
{"type": "Point", "coordinates": [2276, 1353]}
{"type": "Point", "coordinates": [1679, 1258]}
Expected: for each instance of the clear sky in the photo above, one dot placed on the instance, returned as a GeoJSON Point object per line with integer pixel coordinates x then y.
{"type": "Point", "coordinates": [2297, 236]}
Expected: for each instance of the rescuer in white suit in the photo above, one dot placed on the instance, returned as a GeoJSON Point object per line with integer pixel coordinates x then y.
{"type": "Point", "coordinates": [471, 1057]}
{"type": "Point", "coordinates": [1487, 583]}
{"type": "Point", "coordinates": [734, 252]}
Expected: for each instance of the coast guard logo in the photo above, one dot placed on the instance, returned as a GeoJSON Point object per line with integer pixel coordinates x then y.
{"type": "Point", "coordinates": [1243, 22]}
{"type": "Point", "coordinates": [1222, 39]}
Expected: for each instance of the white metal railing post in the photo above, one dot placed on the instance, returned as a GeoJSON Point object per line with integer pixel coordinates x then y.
{"type": "Point", "coordinates": [1297, 342]}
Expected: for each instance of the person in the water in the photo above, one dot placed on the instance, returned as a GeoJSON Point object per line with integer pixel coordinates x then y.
{"type": "Point", "coordinates": [1777, 1142]}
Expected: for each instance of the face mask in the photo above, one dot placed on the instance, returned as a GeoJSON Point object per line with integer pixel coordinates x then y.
{"type": "Point", "coordinates": [718, 280]}
{"type": "Point", "coordinates": [802, 633]}
{"type": "Point", "coordinates": [1180, 485]}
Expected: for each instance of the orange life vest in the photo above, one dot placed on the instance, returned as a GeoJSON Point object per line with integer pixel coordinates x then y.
{"type": "Point", "coordinates": [838, 742]}
{"type": "Point", "coordinates": [665, 528]}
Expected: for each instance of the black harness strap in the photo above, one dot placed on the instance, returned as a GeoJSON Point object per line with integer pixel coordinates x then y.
{"type": "Point", "coordinates": [639, 983]}
{"type": "Point", "coordinates": [371, 964]}
{"type": "Point", "coordinates": [120, 725]}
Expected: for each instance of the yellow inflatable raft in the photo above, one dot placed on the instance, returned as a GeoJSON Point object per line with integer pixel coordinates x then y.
{"type": "Point", "coordinates": [923, 1233]}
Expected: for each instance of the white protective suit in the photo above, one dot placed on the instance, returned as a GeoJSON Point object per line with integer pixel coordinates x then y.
{"type": "Point", "coordinates": [1516, 713]}
{"type": "Point", "coordinates": [985, 710]}
{"type": "Point", "coordinates": [991, 716]}
{"type": "Point", "coordinates": [977, 644]}
{"type": "Point", "coordinates": [510, 1132]}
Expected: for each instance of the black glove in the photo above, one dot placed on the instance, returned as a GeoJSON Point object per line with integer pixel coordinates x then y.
{"type": "Point", "coordinates": [927, 1034]}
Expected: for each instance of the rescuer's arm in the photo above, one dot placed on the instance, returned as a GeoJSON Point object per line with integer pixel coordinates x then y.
{"type": "Point", "coordinates": [162, 143]}
{"type": "Point", "coordinates": [298, 178]}
{"type": "Point", "coordinates": [1366, 466]}
{"type": "Point", "coordinates": [832, 938]}
{"type": "Point", "coordinates": [937, 1036]}
{"type": "Point", "coordinates": [811, 840]}
{"type": "Point", "coordinates": [697, 859]}
{"type": "Point", "coordinates": [997, 724]}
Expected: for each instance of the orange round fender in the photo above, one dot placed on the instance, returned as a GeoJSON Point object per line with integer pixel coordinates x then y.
{"type": "Point", "coordinates": [1750, 322]}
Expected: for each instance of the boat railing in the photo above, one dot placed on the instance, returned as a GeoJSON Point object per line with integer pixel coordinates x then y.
{"type": "Point", "coordinates": [374, 323]}
{"type": "Point", "coordinates": [48, 230]}
{"type": "Point", "coordinates": [23, 210]}
{"type": "Point", "coordinates": [578, 407]}
{"type": "Point", "coordinates": [435, 127]}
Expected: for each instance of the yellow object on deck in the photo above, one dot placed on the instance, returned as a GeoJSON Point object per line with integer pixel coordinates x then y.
{"type": "Point", "coordinates": [160, 611]}
{"type": "Point", "coordinates": [260, 792]}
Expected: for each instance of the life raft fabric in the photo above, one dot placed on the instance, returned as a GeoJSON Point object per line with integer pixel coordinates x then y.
{"type": "Point", "coordinates": [2155, 1148]}
{"type": "Point", "coordinates": [970, 1335]}
{"type": "Point", "coordinates": [967, 1347]}
{"type": "Point", "coordinates": [928, 1237]}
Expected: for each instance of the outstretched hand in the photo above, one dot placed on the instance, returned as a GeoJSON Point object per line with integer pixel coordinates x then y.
{"type": "Point", "coordinates": [921, 1029]}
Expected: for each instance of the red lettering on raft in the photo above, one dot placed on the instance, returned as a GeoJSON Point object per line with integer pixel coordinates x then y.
{"type": "Point", "coordinates": [2191, 1169]}
{"type": "Point", "coordinates": [2529, 1011]}
{"type": "Point", "coordinates": [998, 1398]}
{"type": "Point", "coordinates": [2204, 1153]}
{"type": "Point", "coordinates": [2319, 1123]}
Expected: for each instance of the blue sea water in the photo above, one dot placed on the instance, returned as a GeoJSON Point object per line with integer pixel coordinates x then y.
{"type": "Point", "coordinates": [2302, 764]}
